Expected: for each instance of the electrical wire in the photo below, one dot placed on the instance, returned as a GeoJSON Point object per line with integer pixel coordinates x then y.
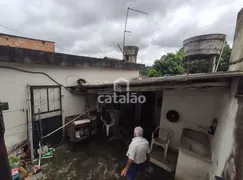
{"type": "Point", "coordinates": [32, 72]}
{"type": "Point", "coordinates": [17, 126]}
{"type": "Point", "coordinates": [8, 135]}
{"type": "Point", "coordinates": [9, 28]}
{"type": "Point", "coordinates": [22, 35]}
{"type": "Point", "coordinates": [70, 75]}
{"type": "Point", "coordinates": [36, 72]}
{"type": "Point", "coordinates": [22, 110]}
{"type": "Point", "coordinates": [26, 71]}
{"type": "Point", "coordinates": [14, 110]}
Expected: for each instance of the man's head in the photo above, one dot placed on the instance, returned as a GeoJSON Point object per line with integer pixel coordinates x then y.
{"type": "Point", "coordinates": [138, 132]}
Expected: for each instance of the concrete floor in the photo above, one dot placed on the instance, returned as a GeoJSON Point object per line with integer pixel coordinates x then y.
{"type": "Point", "coordinates": [98, 159]}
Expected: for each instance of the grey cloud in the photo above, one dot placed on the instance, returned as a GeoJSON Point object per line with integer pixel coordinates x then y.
{"type": "Point", "coordinates": [174, 39]}
{"type": "Point", "coordinates": [95, 27]}
{"type": "Point", "coordinates": [223, 24]}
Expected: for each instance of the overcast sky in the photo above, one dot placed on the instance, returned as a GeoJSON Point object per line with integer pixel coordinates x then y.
{"type": "Point", "coordinates": [94, 27]}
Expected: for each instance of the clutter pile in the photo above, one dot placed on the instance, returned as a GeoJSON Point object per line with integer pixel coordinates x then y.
{"type": "Point", "coordinates": [22, 167]}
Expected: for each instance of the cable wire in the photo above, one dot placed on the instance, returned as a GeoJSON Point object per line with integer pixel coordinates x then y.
{"type": "Point", "coordinates": [17, 126]}
{"type": "Point", "coordinates": [23, 110]}
{"type": "Point", "coordinates": [10, 29]}
{"type": "Point", "coordinates": [92, 108]}
{"type": "Point", "coordinates": [7, 135]}
{"type": "Point", "coordinates": [36, 72]}
{"type": "Point", "coordinates": [14, 110]}
{"type": "Point", "coordinates": [56, 44]}
{"type": "Point", "coordinates": [26, 71]}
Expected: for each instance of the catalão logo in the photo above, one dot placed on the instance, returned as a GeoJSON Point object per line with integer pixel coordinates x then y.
{"type": "Point", "coordinates": [118, 96]}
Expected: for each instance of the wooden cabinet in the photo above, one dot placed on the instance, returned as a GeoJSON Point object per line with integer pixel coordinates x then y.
{"type": "Point", "coordinates": [79, 126]}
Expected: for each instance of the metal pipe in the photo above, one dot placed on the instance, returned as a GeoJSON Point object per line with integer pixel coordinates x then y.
{"type": "Point", "coordinates": [125, 29]}
{"type": "Point", "coordinates": [39, 117]}
{"type": "Point", "coordinates": [124, 33]}
{"type": "Point", "coordinates": [213, 63]}
{"type": "Point", "coordinates": [40, 142]}
{"type": "Point", "coordinates": [120, 49]}
{"type": "Point", "coordinates": [223, 45]}
{"type": "Point", "coordinates": [138, 11]}
{"type": "Point", "coordinates": [27, 122]}
{"type": "Point", "coordinates": [94, 107]}
{"type": "Point", "coordinates": [30, 130]}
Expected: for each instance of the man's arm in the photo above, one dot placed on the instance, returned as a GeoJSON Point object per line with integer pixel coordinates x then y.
{"type": "Point", "coordinates": [148, 156]}
{"type": "Point", "coordinates": [124, 171]}
{"type": "Point", "coordinates": [131, 156]}
{"type": "Point", "coordinates": [148, 152]}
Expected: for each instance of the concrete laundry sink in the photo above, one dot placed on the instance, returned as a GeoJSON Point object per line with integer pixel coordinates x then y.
{"type": "Point", "coordinates": [196, 142]}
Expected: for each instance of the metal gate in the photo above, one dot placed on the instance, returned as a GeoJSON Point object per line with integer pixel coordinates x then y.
{"type": "Point", "coordinates": [46, 110]}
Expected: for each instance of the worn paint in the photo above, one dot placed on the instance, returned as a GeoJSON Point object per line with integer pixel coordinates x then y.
{"type": "Point", "coordinates": [27, 43]}
{"type": "Point", "coordinates": [15, 84]}
{"type": "Point", "coordinates": [27, 56]}
{"type": "Point", "coordinates": [203, 46]}
{"type": "Point", "coordinates": [130, 53]}
{"type": "Point", "coordinates": [237, 50]}
{"type": "Point", "coordinates": [233, 169]}
{"type": "Point", "coordinates": [197, 108]}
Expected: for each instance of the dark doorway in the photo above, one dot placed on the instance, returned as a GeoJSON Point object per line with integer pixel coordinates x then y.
{"type": "Point", "coordinates": [147, 114]}
{"type": "Point", "coordinates": [127, 115]}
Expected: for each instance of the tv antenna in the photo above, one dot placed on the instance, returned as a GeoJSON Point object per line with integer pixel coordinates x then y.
{"type": "Point", "coordinates": [125, 29]}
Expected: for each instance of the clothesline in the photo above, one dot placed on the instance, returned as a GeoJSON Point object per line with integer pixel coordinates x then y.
{"type": "Point", "coordinates": [94, 107]}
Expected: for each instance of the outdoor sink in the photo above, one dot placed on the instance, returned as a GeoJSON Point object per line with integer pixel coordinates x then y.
{"type": "Point", "coordinates": [196, 143]}
{"type": "Point", "coordinates": [194, 160]}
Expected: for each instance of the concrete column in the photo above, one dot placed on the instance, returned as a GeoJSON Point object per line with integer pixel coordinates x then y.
{"type": "Point", "coordinates": [237, 50]}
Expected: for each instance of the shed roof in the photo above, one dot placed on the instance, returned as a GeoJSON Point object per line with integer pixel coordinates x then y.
{"type": "Point", "coordinates": [207, 80]}
{"type": "Point", "coordinates": [176, 79]}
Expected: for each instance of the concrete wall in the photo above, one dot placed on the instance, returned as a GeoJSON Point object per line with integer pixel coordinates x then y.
{"type": "Point", "coordinates": [203, 45]}
{"type": "Point", "coordinates": [131, 53]}
{"type": "Point", "coordinates": [223, 140]}
{"type": "Point", "coordinates": [14, 91]}
{"type": "Point", "coordinates": [195, 107]}
{"type": "Point", "coordinates": [237, 49]}
{"type": "Point", "coordinates": [199, 107]}
{"type": "Point", "coordinates": [190, 167]}
{"type": "Point", "coordinates": [15, 41]}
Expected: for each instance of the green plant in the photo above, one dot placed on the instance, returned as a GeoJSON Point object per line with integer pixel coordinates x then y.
{"type": "Point", "coordinates": [13, 160]}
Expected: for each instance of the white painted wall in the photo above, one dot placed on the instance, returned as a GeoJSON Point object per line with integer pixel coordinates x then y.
{"type": "Point", "coordinates": [195, 107]}
{"type": "Point", "coordinates": [200, 107]}
{"type": "Point", "coordinates": [13, 90]}
{"type": "Point", "coordinates": [223, 140]}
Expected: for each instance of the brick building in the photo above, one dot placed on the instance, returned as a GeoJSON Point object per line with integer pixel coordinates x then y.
{"type": "Point", "coordinates": [26, 43]}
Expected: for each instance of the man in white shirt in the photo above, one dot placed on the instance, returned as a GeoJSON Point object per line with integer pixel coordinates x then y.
{"type": "Point", "coordinates": [138, 154]}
